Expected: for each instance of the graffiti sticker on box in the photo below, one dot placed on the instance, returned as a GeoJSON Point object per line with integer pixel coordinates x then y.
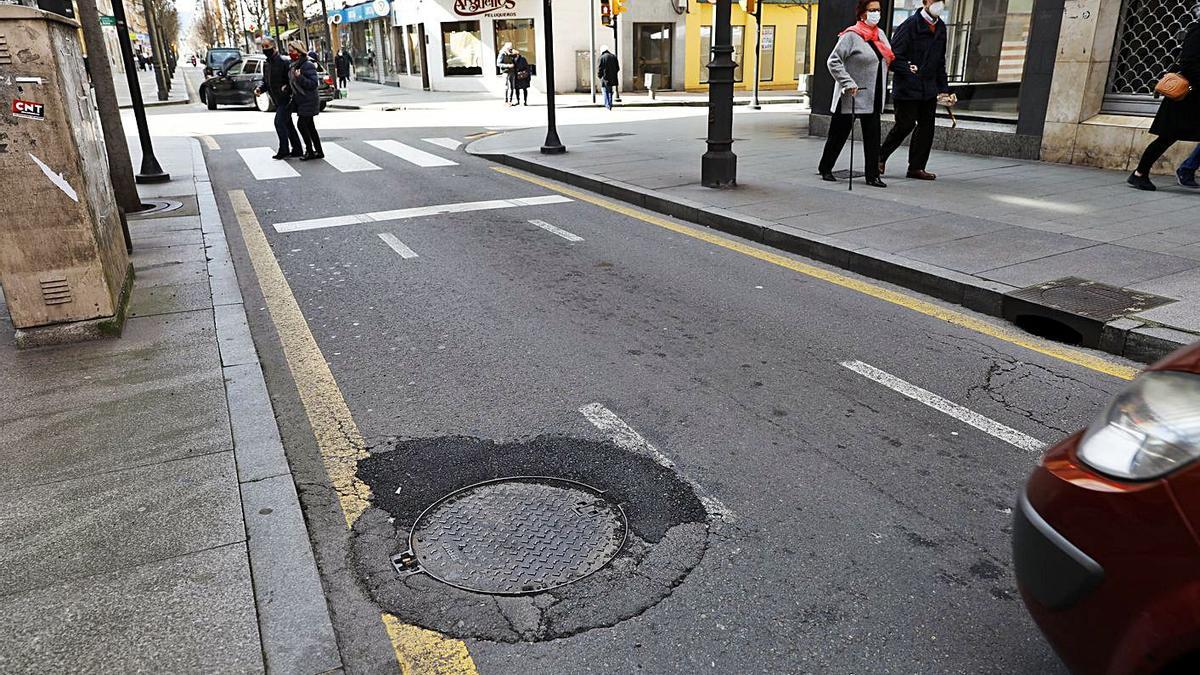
{"type": "Point", "coordinates": [28, 109]}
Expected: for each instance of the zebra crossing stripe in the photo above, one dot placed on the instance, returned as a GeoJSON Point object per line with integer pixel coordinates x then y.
{"type": "Point", "coordinates": [448, 143]}
{"type": "Point", "coordinates": [416, 212]}
{"type": "Point", "coordinates": [259, 161]}
{"type": "Point", "coordinates": [410, 154]}
{"type": "Point", "coordinates": [345, 161]}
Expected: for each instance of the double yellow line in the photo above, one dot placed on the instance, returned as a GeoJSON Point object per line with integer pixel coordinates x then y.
{"type": "Point", "coordinates": [418, 651]}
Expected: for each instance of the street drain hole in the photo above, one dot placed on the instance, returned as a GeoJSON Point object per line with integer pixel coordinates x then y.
{"type": "Point", "coordinates": [516, 535]}
{"type": "Point", "coordinates": [1051, 329]}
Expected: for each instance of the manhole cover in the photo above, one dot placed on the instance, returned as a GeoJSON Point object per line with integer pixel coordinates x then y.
{"type": "Point", "coordinates": [845, 173]}
{"type": "Point", "coordinates": [1090, 299]}
{"type": "Point", "coordinates": [158, 206]}
{"type": "Point", "coordinates": [167, 207]}
{"type": "Point", "coordinates": [512, 536]}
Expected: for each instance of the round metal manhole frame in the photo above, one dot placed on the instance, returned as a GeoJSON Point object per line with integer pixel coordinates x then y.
{"type": "Point", "coordinates": [409, 562]}
{"type": "Point", "coordinates": [159, 206]}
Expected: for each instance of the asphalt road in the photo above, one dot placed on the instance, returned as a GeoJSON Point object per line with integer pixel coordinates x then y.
{"type": "Point", "coordinates": [867, 532]}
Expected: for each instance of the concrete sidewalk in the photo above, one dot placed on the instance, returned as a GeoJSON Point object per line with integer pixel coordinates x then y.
{"type": "Point", "coordinates": [985, 229]}
{"type": "Point", "coordinates": [148, 516]}
{"type": "Point", "coordinates": [371, 96]}
{"type": "Point", "coordinates": [179, 94]}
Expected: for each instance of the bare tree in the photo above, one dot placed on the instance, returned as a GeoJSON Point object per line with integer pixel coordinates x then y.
{"type": "Point", "coordinates": [204, 29]}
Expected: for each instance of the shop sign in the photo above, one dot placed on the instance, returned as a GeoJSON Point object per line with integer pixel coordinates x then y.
{"type": "Point", "coordinates": [106, 20]}
{"type": "Point", "coordinates": [376, 9]}
{"type": "Point", "coordinates": [477, 7]}
{"type": "Point", "coordinates": [28, 109]}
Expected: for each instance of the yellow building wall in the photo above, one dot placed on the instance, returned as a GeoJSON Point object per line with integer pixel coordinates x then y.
{"type": "Point", "coordinates": [785, 18]}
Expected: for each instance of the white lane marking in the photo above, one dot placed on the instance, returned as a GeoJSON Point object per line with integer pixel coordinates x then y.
{"type": "Point", "coordinates": [345, 161]}
{"type": "Point", "coordinates": [259, 161]}
{"type": "Point", "coordinates": [958, 412]}
{"type": "Point", "coordinates": [448, 143]}
{"type": "Point", "coordinates": [397, 245]}
{"type": "Point", "coordinates": [56, 178]}
{"type": "Point", "coordinates": [556, 230]}
{"type": "Point", "coordinates": [411, 154]}
{"type": "Point", "coordinates": [416, 212]}
{"type": "Point", "coordinates": [626, 438]}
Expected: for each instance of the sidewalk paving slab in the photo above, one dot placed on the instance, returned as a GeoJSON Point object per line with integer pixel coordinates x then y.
{"type": "Point", "coordinates": [986, 228]}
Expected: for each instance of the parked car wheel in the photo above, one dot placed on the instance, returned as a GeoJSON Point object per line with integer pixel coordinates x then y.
{"type": "Point", "coordinates": [211, 101]}
{"type": "Point", "coordinates": [264, 103]}
{"type": "Point", "coordinates": [321, 108]}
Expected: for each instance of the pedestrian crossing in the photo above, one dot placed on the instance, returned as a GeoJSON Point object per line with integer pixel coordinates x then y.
{"type": "Point", "coordinates": [263, 166]}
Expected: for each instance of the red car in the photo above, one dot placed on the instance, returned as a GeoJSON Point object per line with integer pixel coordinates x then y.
{"type": "Point", "coordinates": [1105, 537]}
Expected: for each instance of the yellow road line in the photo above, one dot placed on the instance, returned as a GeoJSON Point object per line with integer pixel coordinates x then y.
{"type": "Point", "coordinates": [419, 652]}
{"type": "Point", "coordinates": [210, 142]}
{"type": "Point", "coordinates": [1012, 336]}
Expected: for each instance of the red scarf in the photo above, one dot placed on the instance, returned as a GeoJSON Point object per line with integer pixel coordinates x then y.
{"type": "Point", "coordinates": [871, 34]}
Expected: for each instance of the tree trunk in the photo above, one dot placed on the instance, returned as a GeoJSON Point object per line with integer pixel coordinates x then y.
{"type": "Point", "coordinates": [120, 166]}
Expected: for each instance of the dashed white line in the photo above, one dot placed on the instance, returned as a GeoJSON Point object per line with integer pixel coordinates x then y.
{"type": "Point", "coordinates": [416, 212]}
{"type": "Point", "coordinates": [985, 424]}
{"type": "Point", "coordinates": [411, 154]}
{"type": "Point", "coordinates": [397, 245]}
{"type": "Point", "coordinates": [448, 143]}
{"type": "Point", "coordinates": [556, 230]}
{"type": "Point", "coordinates": [626, 438]}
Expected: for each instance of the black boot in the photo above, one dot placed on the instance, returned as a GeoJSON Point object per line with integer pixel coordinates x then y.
{"type": "Point", "coordinates": [1140, 182]}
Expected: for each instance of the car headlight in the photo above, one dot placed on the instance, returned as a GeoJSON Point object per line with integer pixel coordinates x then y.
{"type": "Point", "coordinates": [1150, 430]}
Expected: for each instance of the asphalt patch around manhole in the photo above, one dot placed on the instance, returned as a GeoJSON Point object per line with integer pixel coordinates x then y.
{"type": "Point", "coordinates": [666, 538]}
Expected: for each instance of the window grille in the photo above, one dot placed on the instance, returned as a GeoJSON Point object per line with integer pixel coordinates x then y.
{"type": "Point", "coordinates": [1149, 36]}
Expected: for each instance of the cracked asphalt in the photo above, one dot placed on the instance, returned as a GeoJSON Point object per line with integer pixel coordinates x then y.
{"type": "Point", "coordinates": [871, 531]}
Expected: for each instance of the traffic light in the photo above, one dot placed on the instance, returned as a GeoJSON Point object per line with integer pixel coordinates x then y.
{"type": "Point", "coordinates": [618, 7]}
{"type": "Point", "coordinates": [605, 13]}
{"type": "Point", "coordinates": [748, 6]}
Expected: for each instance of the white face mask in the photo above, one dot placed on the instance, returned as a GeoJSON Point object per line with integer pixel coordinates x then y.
{"type": "Point", "coordinates": [873, 18]}
{"type": "Point", "coordinates": [935, 10]}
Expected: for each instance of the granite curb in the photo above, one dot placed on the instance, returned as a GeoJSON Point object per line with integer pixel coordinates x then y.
{"type": "Point", "coordinates": [294, 622]}
{"type": "Point", "coordinates": [1134, 339]}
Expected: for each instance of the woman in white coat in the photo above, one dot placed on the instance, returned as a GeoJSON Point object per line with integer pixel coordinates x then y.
{"type": "Point", "coordinates": [857, 64]}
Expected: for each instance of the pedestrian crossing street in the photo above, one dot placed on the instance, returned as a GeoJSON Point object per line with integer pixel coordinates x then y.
{"type": "Point", "coordinates": [261, 164]}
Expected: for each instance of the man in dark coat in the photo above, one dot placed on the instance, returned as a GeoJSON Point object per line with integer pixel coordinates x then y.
{"type": "Point", "coordinates": [1176, 120]}
{"type": "Point", "coordinates": [342, 65]}
{"type": "Point", "coordinates": [608, 71]}
{"type": "Point", "coordinates": [275, 82]}
{"type": "Point", "coordinates": [920, 78]}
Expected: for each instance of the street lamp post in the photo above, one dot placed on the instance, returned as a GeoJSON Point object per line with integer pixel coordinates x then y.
{"type": "Point", "coordinates": [552, 146]}
{"type": "Point", "coordinates": [151, 171]}
{"type": "Point", "coordinates": [757, 52]}
{"type": "Point", "coordinates": [718, 166]}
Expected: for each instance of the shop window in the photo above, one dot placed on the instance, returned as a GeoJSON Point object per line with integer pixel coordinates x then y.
{"type": "Point", "coordinates": [705, 52]}
{"type": "Point", "coordinates": [739, 50]}
{"type": "Point", "coordinates": [401, 50]}
{"type": "Point", "coordinates": [801, 65]}
{"type": "Point", "coordinates": [461, 48]}
{"type": "Point", "coordinates": [766, 67]}
{"type": "Point", "coordinates": [414, 49]}
{"type": "Point", "coordinates": [1149, 38]}
{"type": "Point", "coordinates": [389, 62]}
{"type": "Point", "coordinates": [520, 33]}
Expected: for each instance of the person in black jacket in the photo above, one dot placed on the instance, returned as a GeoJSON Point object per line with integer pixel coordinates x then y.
{"type": "Point", "coordinates": [342, 65]}
{"type": "Point", "coordinates": [1176, 120]}
{"type": "Point", "coordinates": [275, 82]}
{"type": "Point", "coordinates": [303, 81]}
{"type": "Point", "coordinates": [608, 71]}
{"type": "Point", "coordinates": [521, 75]}
{"type": "Point", "coordinates": [920, 78]}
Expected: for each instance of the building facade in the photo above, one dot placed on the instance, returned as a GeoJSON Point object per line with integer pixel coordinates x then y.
{"type": "Point", "coordinates": [788, 48]}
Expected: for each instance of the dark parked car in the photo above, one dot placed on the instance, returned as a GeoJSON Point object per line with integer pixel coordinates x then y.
{"type": "Point", "coordinates": [217, 57]}
{"type": "Point", "coordinates": [235, 84]}
{"type": "Point", "coordinates": [1105, 543]}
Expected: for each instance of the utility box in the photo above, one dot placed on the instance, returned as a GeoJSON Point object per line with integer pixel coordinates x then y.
{"type": "Point", "coordinates": [63, 266]}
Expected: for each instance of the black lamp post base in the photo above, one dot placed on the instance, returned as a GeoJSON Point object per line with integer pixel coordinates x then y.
{"type": "Point", "coordinates": [160, 177]}
{"type": "Point", "coordinates": [718, 169]}
{"type": "Point", "coordinates": [556, 149]}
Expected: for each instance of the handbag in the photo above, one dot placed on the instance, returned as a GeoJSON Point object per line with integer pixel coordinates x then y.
{"type": "Point", "coordinates": [1173, 86]}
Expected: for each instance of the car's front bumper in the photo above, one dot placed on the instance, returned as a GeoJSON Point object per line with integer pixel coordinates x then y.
{"type": "Point", "coordinates": [1051, 569]}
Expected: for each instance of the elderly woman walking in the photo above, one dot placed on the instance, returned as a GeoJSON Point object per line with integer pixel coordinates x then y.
{"type": "Point", "coordinates": [857, 64]}
{"type": "Point", "coordinates": [1177, 120]}
{"type": "Point", "coordinates": [304, 82]}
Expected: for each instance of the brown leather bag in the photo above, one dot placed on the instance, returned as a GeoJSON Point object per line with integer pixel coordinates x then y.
{"type": "Point", "coordinates": [1173, 86]}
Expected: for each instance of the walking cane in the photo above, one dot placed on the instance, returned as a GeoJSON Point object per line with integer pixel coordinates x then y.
{"type": "Point", "coordinates": [853, 117]}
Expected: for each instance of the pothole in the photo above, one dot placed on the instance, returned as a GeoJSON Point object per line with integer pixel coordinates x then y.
{"type": "Point", "coordinates": [522, 541]}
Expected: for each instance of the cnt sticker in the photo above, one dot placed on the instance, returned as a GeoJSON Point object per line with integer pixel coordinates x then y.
{"type": "Point", "coordinates": [28, 109]}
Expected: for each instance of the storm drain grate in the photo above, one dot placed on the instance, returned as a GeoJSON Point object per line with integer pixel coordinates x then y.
{"type": "Point", "coordinates": [1090, 299]}
{"type": "Point", "coordinates": [517, 535]}
{"type": "Point", "coordinates": [845, 173]}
